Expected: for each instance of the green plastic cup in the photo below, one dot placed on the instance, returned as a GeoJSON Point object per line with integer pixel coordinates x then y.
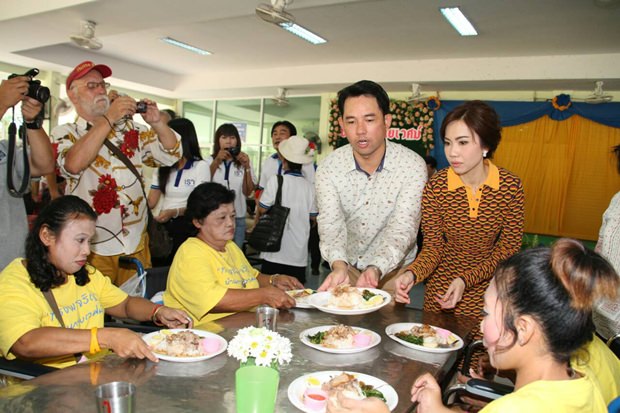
{"type": "Point", "coordinates": [256, 389]}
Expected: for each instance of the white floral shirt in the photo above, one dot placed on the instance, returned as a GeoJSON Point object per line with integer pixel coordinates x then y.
{"type": "Point", "coordinates": [370, 220]}
{"type": "Point", "coordinates": [607, 312]}
{"type": "Point", "coordinates": [109, 187]}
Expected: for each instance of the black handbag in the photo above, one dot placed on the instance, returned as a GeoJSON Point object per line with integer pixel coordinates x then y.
{"type": "Point", "coordinates": [267, 234]}
{"type": "Point", "coordinates": [160, 241]}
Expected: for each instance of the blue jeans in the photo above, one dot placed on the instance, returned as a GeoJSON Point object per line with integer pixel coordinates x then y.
{"type": "Point", "coordinates": [239, 232]}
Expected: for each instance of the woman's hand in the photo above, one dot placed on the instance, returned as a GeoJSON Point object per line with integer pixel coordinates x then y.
{"type": "Point", "coordinates": [427, 393]}
{"type": "Point", "coordinates": [345, 404]}
{"type": "Point", "coordinates": [275, 297]}
{"type": "Point", "coordinates": [125, 343]}
{"type": "Point", "coordinates": [173, 318]}
{"type": "Point", "coordinates": [404, 282]}
{"type": "Point", "coordinates": [453, 294]}
{"type": "Point", "coordinates": [223, 155]}
{"type": "Point", "coordinates": [244, 159]}
{"type": "Point", "coordinates": [286, 282]}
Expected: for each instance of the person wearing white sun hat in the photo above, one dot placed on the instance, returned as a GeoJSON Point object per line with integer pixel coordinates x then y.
{"type": "Point", "coordinates": [298, 195]}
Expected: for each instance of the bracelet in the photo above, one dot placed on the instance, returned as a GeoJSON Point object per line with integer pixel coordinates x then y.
{"type": "Point", "coordinates": [272, 279]}
{"type": "Point", "coordinates": [109, 123]}
{"type": "Point", "coordinates": [94, 343]}
{"type": "Point", "coordinates": [177, 214]}
{"type": "Point", "coordinates": [154, 315]}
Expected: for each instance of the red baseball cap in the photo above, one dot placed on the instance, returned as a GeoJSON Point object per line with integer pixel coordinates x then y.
{"type": "Point", "coordinates": [83, 68]}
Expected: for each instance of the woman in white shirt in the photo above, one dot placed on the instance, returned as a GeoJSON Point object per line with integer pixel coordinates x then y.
{"type": "Point", "coordinates": [232, 168]}
{"type": "Point", "coordinates": [175, 183]}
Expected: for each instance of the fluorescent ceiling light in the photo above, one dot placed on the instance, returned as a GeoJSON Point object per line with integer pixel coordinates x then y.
{"type": "Point", "coordinates": [185, 46]}
{"type": "Point", "coordinates": [458, 20]}
{"type": "Point", "coordinates": [302, 32]}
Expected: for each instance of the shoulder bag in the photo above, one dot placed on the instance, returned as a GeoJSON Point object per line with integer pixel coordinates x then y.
{"type": "Point", "coordinates": [267, 234]}
{"type": "Point", "coordinates": [160, 242]}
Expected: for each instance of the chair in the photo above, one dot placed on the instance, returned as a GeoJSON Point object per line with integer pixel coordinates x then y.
{"type": "Point", "coordinates": [489, 390]}
{"type": "Point", "coordinates": [477, 388]}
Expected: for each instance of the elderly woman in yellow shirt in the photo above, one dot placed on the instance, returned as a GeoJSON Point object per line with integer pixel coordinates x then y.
{"type": "Point", "coordinates": [210, 277]}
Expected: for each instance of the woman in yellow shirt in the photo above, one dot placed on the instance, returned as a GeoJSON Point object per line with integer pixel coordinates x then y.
{"type": "Point", "coordinates": [210, 277]}
{"type": "Point", "coordinates": [537, 313]}
{"type": "Point", "coordinates": [52, 303]}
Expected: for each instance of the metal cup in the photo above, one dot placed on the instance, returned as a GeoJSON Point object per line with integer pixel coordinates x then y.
{"type": "Point", "coordinates": [116, 397]}
{"type": "Point", "coordinates": [267, 317]}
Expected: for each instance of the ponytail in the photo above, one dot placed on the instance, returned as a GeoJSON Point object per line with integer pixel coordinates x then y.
{"type": "Point", "coordinates": [556, 286]}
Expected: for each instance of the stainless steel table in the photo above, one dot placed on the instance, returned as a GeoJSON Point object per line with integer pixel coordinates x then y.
{"type": "Point", "coordinates": [209, 386]}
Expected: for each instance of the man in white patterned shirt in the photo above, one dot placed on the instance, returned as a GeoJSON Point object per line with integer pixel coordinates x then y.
{"type": "Point", "coordinates": [369, 194]}
{"type": "Point", "coordinates": [99, 177]}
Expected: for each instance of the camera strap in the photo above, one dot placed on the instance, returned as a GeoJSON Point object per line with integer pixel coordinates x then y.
{"type": "Point", "coordinates": [23, 188]}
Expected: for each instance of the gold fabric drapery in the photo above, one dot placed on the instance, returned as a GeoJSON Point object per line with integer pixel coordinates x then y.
{"type": "Point", "coordinates": [568, 172]}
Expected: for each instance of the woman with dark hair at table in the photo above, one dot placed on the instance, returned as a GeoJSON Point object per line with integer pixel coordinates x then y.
{"type": "Point", "coordinates": [210, 277]}
{"type": "Point", "coordinates": [537, 315]}
{"type": "Point", "coordinates": [52, 303]}
{"type": "Point", "coordinates": [472, 216]}
{"type": "Point", "coordinates": [175, 183]}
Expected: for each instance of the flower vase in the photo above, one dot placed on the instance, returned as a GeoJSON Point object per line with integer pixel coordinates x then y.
{"type": "Point", "coordinates": [256, 389]}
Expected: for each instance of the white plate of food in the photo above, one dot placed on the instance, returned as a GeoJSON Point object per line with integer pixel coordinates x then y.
{"type": "Point", "coordinates": [302, 297]}
{"type": "Point", "coordinates": [185, 345]}
{"type": "Point", "coordinates": [347, 300]}
{"type": "Point", "coordinates": [424, 337]}
{"type": "Point", "coordinates": [340, 339]}
{"type": "Point", "coordinates": [309, 392]}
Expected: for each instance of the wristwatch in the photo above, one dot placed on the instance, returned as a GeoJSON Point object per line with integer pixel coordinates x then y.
{"type": "Point", "coordinates": [36, 123]}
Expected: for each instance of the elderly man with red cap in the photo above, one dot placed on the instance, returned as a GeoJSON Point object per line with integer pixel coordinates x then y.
{"type": "Point", "coordinates": [97, 174]}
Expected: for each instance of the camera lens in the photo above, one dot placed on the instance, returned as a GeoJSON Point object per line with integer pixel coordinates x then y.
{"type": "Point", "coordinates": [42, 94]}
{"type": "Point", "coordinates": [141, 107]}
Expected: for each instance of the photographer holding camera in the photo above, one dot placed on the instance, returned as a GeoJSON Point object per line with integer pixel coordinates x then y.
{"type": "Point", "coordinates": [93, 155]}
{"type": "Point", "coordinates": [13, 221]}
{"type": "Point", "coordinates": [232, 168]}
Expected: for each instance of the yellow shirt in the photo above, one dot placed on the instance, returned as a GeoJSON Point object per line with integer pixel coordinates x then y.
{"type": "Point", "coordinates": [544, 396]}
{"type": "Point", "coordinates": [604, 366]}
{"type": "Point", "coordinates": [24, 308]}
{"type": "Point", "coordinates": [200, 276]}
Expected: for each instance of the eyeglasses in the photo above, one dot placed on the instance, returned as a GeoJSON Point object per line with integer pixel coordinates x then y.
{"type": "Point", "coordinates": [95, 85]}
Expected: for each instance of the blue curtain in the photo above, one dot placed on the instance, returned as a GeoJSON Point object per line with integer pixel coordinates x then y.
{"type": "Point", "coordinates": [516, 113]}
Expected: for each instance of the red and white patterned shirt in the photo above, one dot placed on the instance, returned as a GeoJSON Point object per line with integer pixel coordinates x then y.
{"type": "Point", "coordinates": [111, 189]}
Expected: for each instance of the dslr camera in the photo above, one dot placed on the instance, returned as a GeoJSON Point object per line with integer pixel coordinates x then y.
{"type": "Point", "coordinates": [35, 90]}
{"type": "Point", "coordinates": [233, 151]}
{"type": "Point", "coordinates": [141, 106]}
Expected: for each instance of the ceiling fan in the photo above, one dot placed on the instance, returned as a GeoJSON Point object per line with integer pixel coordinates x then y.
{"type": "Point", "coordinates": [274, 12]}
{"type": "Point", "coordinates": [86, 38]}
{"type": "Point", "coordinates": [280, 99]}
{"type": "Point", "coordinates": [598, 96]}
{"type": "Point", "coordinates": [416, 94]}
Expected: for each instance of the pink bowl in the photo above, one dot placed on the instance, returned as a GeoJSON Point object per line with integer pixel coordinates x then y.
{"type": "Point", "coordinates": [361, 340]}
{"type": "Point", "coordinates": [210, 345]}
{"type": "Point", "coordinates": [315, 399]}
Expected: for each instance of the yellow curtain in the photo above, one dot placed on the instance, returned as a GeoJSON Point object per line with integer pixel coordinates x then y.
{"type": "Point", "coordinates": [568, 173]}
